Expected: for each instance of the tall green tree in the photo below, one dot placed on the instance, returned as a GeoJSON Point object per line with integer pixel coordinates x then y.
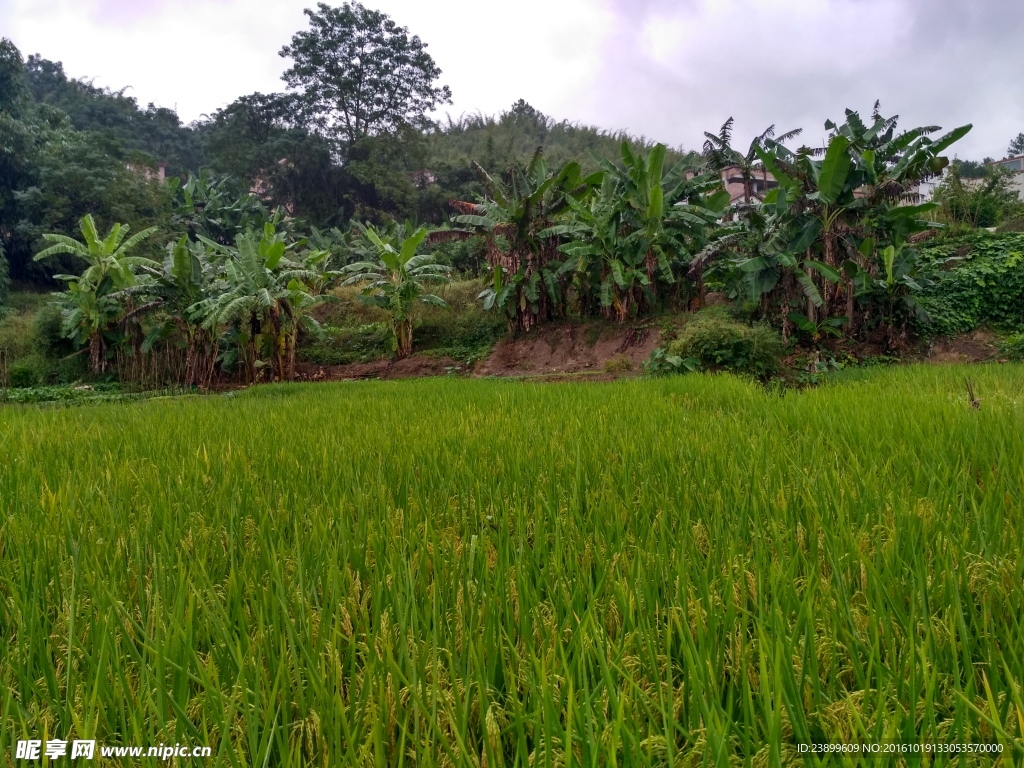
{"type": "Point", "coordinates": [1016, 146]}
{"type": "Point", "coordinates": [155, 131]}
{"type": "Point", "coordinates": [360, 74]}
{"type": "Point", "coordinates": [16, 144]}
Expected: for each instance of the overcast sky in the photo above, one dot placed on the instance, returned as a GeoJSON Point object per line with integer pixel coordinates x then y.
{"type": "Point", "coordinates": [667, 69]}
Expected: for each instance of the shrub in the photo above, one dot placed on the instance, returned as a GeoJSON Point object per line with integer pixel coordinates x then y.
{"type": "Point", "coordinates": [64, 365]}
{"type": "Point", "coordinates": [618, 364]}
{"type": "Point", "coordinates": [986, 288]}
{"type": "Point", "coordinates": [1013, 225]}
{"type": "Point", "coordinates": [340, 346]}
{"type": "Point", "coordinates": [1013, 347]}
{"type": "Point", "coordinates": [29, 371]}
{"type": "Point", "coordinates": [716, 340]}
{"type": "Point", "coordinates": [468, 336]}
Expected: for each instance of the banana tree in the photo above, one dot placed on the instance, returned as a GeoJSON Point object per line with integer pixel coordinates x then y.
{"type": "Point", "coordinates": [667, 215]}
{"type": "Point", "coordinates": [97, 299]}
{"type": "Point", "coordinates": [512, 217]}
{"type": "Point", "coordinates": [216, 208]}
{"type": "Point", "coordinates": [396, 279]}
{"type": "Point", "coordinates": [263, 299]}
{"type": "Point", "coordinates": [176, 290]}
{"type": "Point", "coordinates": [634, 231]}
{"type": "Point", "coordinates": [596, 255]}
{"type": "Point", "coordinates": [830, 206]}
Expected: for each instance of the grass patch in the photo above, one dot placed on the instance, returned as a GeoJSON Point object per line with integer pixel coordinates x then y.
{"type": "Point", "coordinates": [683, 567]}
{"type": "Point", "coordinates": [355, 332]}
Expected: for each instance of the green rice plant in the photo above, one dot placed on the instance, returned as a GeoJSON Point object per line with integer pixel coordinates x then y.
{"type": "Point", "coordinates": [676, 571]}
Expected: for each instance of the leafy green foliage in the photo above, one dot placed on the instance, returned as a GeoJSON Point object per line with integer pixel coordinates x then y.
{"type": "Point", "coordinates": [1013, 347]}
{"type": "Point", "coordinates": [261, 140]}
{"type": "Point", "coordinates": [637, 230]}
{"type": "Point", "coordinates": [396, 279]}
{"type": "Point", "coordinates": [515, 217]}
{"type": "Point", "coordinates": [662, 362]}
{"type": "Point", "coordinates": [816, 331]}
{"type": "Point", "coordinates": [95, 300]}
{"type": "Point", "coordinates": [467, 337]}
{"type": "Point", "coordinates": [498, 142]}
{"type": "Point", "coordinates": [155, 132]}
{"type": "Point", "coordinates": [267, 291]}
{"type": "Point", "coordinates": [340, 346]}
{"type": "Point", "coordinates": [979, 202]}
{"type": "Point", "coordinates": [76, 394]}
{"type": "Point", "coordinates": [216, 208]}
{"type": "Point", "coordinates": [985, 288]}
{"type": "Point", "coordinates": [359, 74]}
{"type": "Point", "coordinates": [825, 235]}
{"type": "Point", "coordinates": [716, 341]}
{"type": "Point", "coordinates": [51, 175]}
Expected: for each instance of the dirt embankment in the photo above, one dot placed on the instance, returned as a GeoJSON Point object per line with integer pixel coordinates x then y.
{"type": "Point", "coordinates": [606, 351]}
{"type": "Point", "coordinates": [980, 346]}
{"type": "Point", "coordinates": [409, 367]}
{"type": "Point", "coordinates": [593, 350]}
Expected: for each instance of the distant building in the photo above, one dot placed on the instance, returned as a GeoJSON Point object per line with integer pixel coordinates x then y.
{"type": "Point", "coordinates": [761, 182]}
{"type": "Point", "coordinates": [923, 191]}
{"type": "Point", "coordinates": [1016, 165]}
{"type": "Point", "coordinates": [149, 174]}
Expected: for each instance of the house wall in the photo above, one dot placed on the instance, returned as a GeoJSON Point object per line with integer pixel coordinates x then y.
{"type": "Point", "coordinates": [1015, 164]}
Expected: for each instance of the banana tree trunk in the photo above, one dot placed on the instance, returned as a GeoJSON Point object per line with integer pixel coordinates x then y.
{"type": "Point", "coordinates": [97, 360]}
{"type": "Point", "coordinates": [292, 342]}
{"type": "Point", "coordinates": [403, 336]}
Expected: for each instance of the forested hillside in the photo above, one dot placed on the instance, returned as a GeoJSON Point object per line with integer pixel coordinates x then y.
{"type": "Point", "coordinates": [346, 188]}
{"type": "Point", "coordinates": [71, 148]}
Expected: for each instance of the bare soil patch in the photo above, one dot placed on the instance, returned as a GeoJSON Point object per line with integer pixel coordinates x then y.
{"type": "Point", "coordinates": [415, 366]}
{"type": "Point", "coordinates": [979, 346]}
{"type": "Point", "coordinates": [604, 350]}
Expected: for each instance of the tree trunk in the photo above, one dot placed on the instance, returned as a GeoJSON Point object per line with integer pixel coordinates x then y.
{"type": "Point", "coordinates": [403, 338]}
{"type": "Point", "coordinates": [850, 308]}
{"type": "Point", "coordinates": [293, 341]}
{"type": "Point", "coordinates": [96, 357]}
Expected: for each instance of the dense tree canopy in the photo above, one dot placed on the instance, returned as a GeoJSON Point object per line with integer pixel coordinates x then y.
{"type": "Point", "coordinates": [359, 74]}
{"type": "Point", "coordinates": [155, 131]}
{"type": "Point", "coordinates": [52, 174]}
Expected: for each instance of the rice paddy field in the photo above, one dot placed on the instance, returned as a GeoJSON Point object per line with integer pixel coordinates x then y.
{"type": "Point", "coordinates": [686, 571]}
